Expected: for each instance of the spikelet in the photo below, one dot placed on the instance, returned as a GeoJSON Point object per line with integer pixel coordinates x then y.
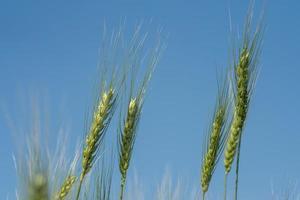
{"type": "Point", "coordinates": [101, 120]}
{"type": "Point", "coordinates": [65, 188]}
{"type": "Point", "coordinates": [215, 139]}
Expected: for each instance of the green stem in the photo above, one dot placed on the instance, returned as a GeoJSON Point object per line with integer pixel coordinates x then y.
{"type": "Point", "coordinates": [225, 185]}
{"type": "Point", "coordinates": [79, 188]}
{"type": "Point", "coordinates": [203, 195]}
{"type": "Point", "coordinates": [237, 168]}
{"type": "Point", "coordinates": [123, 180]}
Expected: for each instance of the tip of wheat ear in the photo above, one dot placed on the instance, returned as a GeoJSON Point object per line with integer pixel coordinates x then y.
{"type": "Point", "coordinates": [96, 132]}
{"type": "Point", "coordinates": [65, 188]}
{"type": "Point", "coordinates": [132, 108]}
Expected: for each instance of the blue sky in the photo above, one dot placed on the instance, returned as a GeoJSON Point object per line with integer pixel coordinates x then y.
{"type": "Point", "coordinates": [52, 47]}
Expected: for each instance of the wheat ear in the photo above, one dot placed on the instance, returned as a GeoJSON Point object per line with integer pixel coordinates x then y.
{"type": "Point", "coordinates": [100, 122]}
{"type": "Point", "coordinates": [245, 74]}
{"type": "Point", "coordinates": [65, 188]}
{"type": "Point", "coordinates": [127, 140]}
{"type": "Point", "coordinates": [128, 126]}
{"type": "Point", "coordinates": [38, 187]}
{"type": "Point", "coordinates": [94, 138]}
{"type": "Point", "coordinates": [215, 139]}
{"type": "Point", "coordinates": [32, 162]}
{"type": "Point", "coordinates": [240, 109]}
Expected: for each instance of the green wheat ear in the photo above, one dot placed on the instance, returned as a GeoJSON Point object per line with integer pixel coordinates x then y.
{"type": "Point", "coordinates": [129, 123]}
{"type": "Point", "coordinates": [215, 139]}
{"type": "Point", "coordinates": [32, 162]}
{"type": "Point", "coordinates": [38, 187]}
{"type": "Point", "coordinates": [240, 110]}
{"type": "Point", "coordinates": [127, 139]}
{"type": "Point", "coordinates": [245, 74]}
{"type": "Point", "coordinates": [127, 131]}
{"type": "Point", "coordinates": [65, 188]}
{"type": "Point", "coordinates": [243, 82]}
{"type": "Point", "coordinates": [101, 119]}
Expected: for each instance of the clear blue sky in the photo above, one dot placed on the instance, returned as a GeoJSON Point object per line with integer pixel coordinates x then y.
{"type": "Point", "coordinates": [52, 46]}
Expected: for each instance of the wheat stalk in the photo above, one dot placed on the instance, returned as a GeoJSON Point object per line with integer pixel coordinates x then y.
{"type": "Point", "coordinates": [215, 139]}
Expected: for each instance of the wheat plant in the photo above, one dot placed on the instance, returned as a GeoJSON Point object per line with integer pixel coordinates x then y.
{"type": "Point", "coordinates": [101, 120]}
{"type": "Point", "coordinates": [245, 69]}
{"type": "Point", "coordinates": [215, 138]}
{"type": "Point", "coordinates": [129, 123]}
{"type": "Point", "coordinates": [127, 140]}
